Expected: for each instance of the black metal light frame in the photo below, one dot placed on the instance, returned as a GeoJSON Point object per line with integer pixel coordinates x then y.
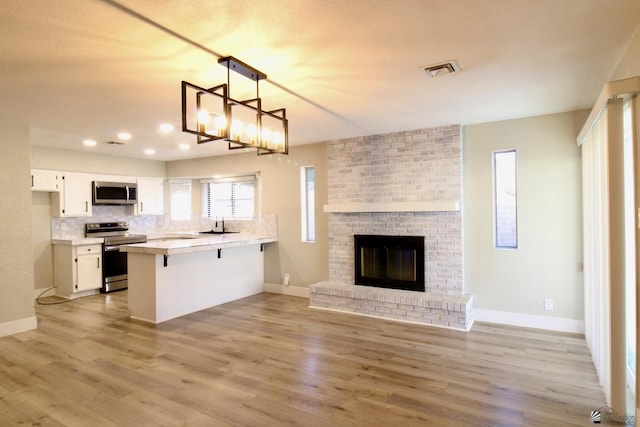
{"type": "Point", "coordinates": [223, 92]}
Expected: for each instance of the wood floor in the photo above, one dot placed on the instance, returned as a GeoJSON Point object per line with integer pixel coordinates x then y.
{"type": "Point", "coordinates": [268, 360]}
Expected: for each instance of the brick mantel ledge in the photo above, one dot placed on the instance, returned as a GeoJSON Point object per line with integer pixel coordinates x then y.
{"type": "Point", "coordinates": [420, 206]}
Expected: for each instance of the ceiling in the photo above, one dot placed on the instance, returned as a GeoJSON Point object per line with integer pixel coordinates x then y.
{"type": "Point", "coordinates": [88, 69]}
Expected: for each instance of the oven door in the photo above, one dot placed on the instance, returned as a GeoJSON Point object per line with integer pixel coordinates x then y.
{"type": "Point", "coordinates": [114, 268]}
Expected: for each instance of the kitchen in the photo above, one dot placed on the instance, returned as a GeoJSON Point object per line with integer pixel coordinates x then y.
{"type": "Point", "coordinates": [275, 173]}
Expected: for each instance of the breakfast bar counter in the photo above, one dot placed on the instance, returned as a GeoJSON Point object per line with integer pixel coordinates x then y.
{"type": "Point", "coordinates": [181, 274]}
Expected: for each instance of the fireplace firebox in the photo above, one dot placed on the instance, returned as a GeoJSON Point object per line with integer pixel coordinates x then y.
{"type": "Point", "coordinates": [395, 262]}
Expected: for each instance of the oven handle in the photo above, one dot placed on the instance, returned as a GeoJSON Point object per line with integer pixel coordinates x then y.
{"type": "Point", "coordinates": [111, 248]}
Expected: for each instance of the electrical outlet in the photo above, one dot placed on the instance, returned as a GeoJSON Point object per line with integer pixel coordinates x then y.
{"type": "Point", "coordinates": [548, 304]}
{"type": "Point", "coordinates": [286, 279]}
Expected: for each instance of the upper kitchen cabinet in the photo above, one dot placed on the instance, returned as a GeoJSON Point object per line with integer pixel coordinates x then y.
{"type": "Point", "coordinates": [45, 180]}
{"type": "Point", "coordinates": [74, 198]}
{"type": "Point", "coordinates": [150, 196]}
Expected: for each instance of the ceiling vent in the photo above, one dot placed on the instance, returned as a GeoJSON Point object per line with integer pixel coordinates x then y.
{"type": "Point", "coordinates": [449, 67]}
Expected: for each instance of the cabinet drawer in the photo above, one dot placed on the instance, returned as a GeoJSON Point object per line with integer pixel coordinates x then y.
{"type": "Point", "coordinates": [88, 249]}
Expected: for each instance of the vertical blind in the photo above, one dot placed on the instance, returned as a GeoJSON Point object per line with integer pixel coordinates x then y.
{"type": "Point", "coordinates": [180, 199]}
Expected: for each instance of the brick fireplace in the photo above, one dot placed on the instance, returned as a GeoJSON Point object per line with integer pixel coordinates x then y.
{"type": "Point", "coordinates": [402, 184]}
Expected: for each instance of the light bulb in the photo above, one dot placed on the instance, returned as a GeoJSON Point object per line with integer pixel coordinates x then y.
{"type": "Point", "coordinates": [203, 119]}
{"type": "Point", "coordinates": [265, 137]}
{"type": "Point", "coordinates": [220, 122]}
{"type": "Point", "coordinates": [236, 129]}
{"type": "Point", "coordinates": [252, 132]}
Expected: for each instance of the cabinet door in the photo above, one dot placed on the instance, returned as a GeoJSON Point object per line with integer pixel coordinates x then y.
{"type": "Point", "coordinates": [77, 194]}
{"type": "Point", "coordinates": [45, 180]}
{"type": "Point", "coordinates": [150, 196]}
{"type": "Point", "coordinates": [89, 273]}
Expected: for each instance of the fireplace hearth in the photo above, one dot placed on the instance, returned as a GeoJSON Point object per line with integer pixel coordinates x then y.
{"type": "Point", "coordinates": [394, 262]}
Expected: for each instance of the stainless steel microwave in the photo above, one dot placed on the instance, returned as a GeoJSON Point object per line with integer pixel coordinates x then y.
{"type": "Point", "coordinates": [114, 193]}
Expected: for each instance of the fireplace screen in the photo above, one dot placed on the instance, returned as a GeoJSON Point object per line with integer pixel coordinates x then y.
{"type": "Point", "coordinates": [395, 262]}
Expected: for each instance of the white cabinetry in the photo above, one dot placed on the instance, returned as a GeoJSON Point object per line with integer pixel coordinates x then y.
{"type": "Point", "coordinates": [74, 198]}
{"type": "Point", "coordinates": [150, 196]}
{"type": "Point", "coordinates": [45, 180]}
{"type": "Point", "coordinates": [78, 269]}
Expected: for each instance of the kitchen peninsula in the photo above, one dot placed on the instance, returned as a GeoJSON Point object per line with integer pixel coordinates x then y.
{"type": "Point", "coordinates": [185, 273]}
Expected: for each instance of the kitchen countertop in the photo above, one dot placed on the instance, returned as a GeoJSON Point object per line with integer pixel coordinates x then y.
{"type": "Point", "coordinates": [182, 243]}
{"type": "Point", "coordinates": [76, 241]}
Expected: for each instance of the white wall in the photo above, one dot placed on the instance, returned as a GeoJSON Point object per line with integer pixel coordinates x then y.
{"type": "Point", "coordinates": [307, 263]}
{"type": "Point", "coordinates": [16, 266]}
{"type": "Point", "coordinates": [629, 65]}
{"type": "Point", "coordinates": [41, 239]}
{"type": "Point", "coordinates": [548, 262]}
{"type": "Point", "coordinates": [78, 161]}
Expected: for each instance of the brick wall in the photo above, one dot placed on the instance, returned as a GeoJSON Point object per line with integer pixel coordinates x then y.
{"type": "Point", "coordinates": [418, 165]}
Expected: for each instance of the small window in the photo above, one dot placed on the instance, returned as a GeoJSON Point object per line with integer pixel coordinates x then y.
{"type": "Point", "coordinates": [505, 199]}
{"type": "Point", "coordinates": [308, 204]}
{"type": "Point", "coordinates": [180, 199]}
{"type": "Point", "coordinates": [229, 197]}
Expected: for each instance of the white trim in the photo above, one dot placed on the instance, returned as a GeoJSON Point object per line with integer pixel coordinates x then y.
{"type": "Point", "coordinates": [610, 90]}
{"type": "Point", "coordinates": [421, 206]}
{"type": "Point", "coordinates": [296, 291]}
{"type": "Point", "coordinates": [558, 324]}
{"type": "Point", "coordinates": [17, 326]}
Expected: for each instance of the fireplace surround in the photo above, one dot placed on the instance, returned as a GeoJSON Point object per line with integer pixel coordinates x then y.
{"type": "Point", "coordinates": [404, 184]}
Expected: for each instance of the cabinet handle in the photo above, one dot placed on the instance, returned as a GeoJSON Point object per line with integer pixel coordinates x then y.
{"type": "Point", "coordinates": [86, 206]}
{"type": "Point", "coordinates": [141, 206]}
{"type": "Point", "coordinates": [32, 181]}
{"type": "Point", "coordinates": [98, 259]}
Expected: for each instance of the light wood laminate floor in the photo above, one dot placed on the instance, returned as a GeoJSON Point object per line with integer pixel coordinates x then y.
{"type": "Point", "coordinates": [268, 360]}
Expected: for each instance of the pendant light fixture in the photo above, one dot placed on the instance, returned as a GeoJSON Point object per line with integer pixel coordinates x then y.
{"type": "Point", "coordinates": [212, 114]}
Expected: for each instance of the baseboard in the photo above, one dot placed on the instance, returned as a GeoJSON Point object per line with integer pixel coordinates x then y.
{"type": "Point", "coordinates": [558, 324]}
{"type": "Point", "coordinates": [17, 326]}
{"type": "Point", "coordinates": [296, 291]}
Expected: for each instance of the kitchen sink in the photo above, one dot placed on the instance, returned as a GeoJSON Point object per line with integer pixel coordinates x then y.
{"type": "Point", "coordinates": [217, 232]}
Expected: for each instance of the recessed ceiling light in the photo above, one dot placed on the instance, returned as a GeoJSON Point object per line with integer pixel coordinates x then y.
{"type": "Point", "coordinates": [166, 128]}
{"type": "Point", "coordinates": [184, 146]}
{"type": "Point", "coordinates": [89, 142]}
{"type": "Point", "coordinates": [125, 136]}
{"type": "Point", "coordinates": [149, 151]}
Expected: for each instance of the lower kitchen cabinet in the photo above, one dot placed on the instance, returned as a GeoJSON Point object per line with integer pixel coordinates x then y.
{"type": "Point", "coordinates": [78, 269]}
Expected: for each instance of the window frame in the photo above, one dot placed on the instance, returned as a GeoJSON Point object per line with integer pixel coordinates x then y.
{"type": "Point", "coordinates": [497, 223]}
{"type": "Point", "coordinates": [307, 205]}
{"type": "Point", "coordinates": [253, 178]}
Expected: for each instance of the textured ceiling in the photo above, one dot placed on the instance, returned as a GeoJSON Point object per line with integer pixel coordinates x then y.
{"type": "Point", "coordinates": [77, 69]}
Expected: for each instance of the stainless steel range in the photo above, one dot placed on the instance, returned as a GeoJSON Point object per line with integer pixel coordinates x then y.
{"type": "Point", "coordinates": [114, 262]}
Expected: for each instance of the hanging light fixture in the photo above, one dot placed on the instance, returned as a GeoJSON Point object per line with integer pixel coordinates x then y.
{"type": "Point", "coordinates": [212, 114]}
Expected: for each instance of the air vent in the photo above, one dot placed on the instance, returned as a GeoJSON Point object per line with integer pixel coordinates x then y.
{"type": "Point", "coordinates": [449, 67]}
{"type": "Point", "coordinates": [114, 143]}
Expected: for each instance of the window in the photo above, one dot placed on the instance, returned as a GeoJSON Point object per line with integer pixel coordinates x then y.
{"type": "Point", "coordinates": [504, 199]}
{"type": "Point", "coordinates": [180, 199]}
{"type": "Point", "coordinates": [307, 203]}
{"type": "Point", "coordinates": [229, 197]}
